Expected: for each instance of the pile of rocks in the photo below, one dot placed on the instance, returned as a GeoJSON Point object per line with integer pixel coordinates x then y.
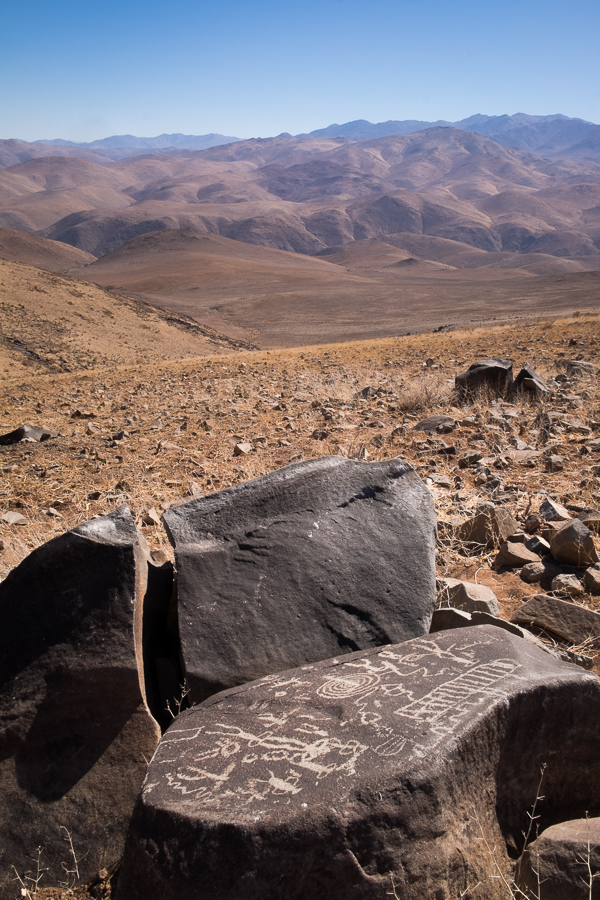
{"type": "Point", "coordinates": [348, 737]}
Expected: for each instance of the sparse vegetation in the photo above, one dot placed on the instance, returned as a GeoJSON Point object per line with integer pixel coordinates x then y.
{"type": "Point", "coordinates": [153, 435]}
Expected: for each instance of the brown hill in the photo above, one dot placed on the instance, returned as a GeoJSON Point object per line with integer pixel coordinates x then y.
{"type": "Point", "coordinates": [55, 323]}
{"type": "Point", "coordinates": [37, 251]}
{"type": "Point", "coordinates": [308, 195]}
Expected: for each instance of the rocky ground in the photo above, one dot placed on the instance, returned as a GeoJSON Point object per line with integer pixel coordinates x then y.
{"type": "Point", "coordinates": [152, 435]}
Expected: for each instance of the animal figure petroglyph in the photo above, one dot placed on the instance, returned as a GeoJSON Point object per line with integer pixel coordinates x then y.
{"type": "Point", "coordinates": [377, 705]}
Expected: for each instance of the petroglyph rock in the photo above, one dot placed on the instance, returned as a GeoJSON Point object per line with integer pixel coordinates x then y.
{"type": "Point", "coordinates": [75, 729]}
{"type": "Point", "coordinates": [328, 781]}
{"type": "Point", "coordinates": [319, 558]}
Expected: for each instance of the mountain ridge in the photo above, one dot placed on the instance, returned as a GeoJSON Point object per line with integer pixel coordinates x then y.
{"type": "Point", "coordinates": [551, 135]}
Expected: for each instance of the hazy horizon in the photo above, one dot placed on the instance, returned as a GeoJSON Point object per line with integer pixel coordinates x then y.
{"type": "Point", "coordinates": [251, 136]}
{"type": "Point", "coordinates": [81, 72]}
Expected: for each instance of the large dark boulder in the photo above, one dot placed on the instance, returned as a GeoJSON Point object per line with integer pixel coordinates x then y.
{"type": "Point", "coordinates": [76, 732]}
{"type": "Point", "coordinates": [319, 558]}
{"type": "Point", "coordinates": [411, 765]}
{"type": "Point", "coordinates": [495, 375]}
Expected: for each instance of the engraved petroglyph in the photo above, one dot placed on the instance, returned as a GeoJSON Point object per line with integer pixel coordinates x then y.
{"type": "Point", "coordinates": [318, 725]}
{"type": "Point", "coordinates": [347, 686]}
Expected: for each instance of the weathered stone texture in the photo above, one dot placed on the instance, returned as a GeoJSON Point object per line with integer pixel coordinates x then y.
{"type": "Point", "coordinates": [330, 780]}
{"type": "Point", "coordinates": [75, 730]}
{"type": "Point", "coordinates": [319, 558]}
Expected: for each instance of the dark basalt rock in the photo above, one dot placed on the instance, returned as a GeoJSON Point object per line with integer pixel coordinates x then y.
{"type": "Point", "coordinates": [26, 432]}
{"type": "Point", "coordinates": [573, 545]}
{"type": "Point", "coordinates": [495, 374]}
{"type": "Point", "coordinates": [380, 768]}
{"type": "Point", "coordinates": [319, 558]}
{"type": "Point", "coordinates": [529, 381]}
{"type": "Point", "coordinates": [75, 728]}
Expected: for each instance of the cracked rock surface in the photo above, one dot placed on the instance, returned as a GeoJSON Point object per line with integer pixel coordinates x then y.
{"type": "Point", "coordinates": [319, 558]}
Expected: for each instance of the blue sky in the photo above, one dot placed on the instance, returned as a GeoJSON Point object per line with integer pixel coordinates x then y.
{"type": "Point", "coordinates": [83, 71]}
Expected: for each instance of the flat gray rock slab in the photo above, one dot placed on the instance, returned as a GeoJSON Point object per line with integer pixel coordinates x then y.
{"type": "Point", "coordinates": [318, 558]}
{"type": "Point", "coordinates": [436, 424]}
{"type": "Point", "coordinates": [75, 731]}
{"type": "Point", "coordinates": [514, 555]}
{"type": "Point", "coordinates": [332, 779]}
{"type": "Point", "coordinates": [570, 622]}
{"type": "Point", "coordinates": [555, 865]}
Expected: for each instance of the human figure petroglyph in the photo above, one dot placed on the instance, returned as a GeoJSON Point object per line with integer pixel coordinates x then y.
{"type": "Point", "coordinates": [431, 688]}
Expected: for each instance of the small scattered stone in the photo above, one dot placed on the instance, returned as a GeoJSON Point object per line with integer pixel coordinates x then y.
{"type": "Point", "coordinates": [538, 544]}
{"type": "Point", "coordinates": [468, 596]}
{"type": "Point", "coordinates": [242, 449]}
{"type": "Point", "coordinates": [151, 517]}
{"type": "Point", "coordinates": [470, 458]}
{"type": "Point", "coordinates": [441, 480]}
{"type": "Point", "coordinates": [533, 523]}
{"type": "Point", "coordinates": [555, 464]}
{"type": "Point", "coordinates": [26, 432]}
{"type": "Point", "coordinates": [567, 584]}
{"type": "Point", "coordinates": [578, 367]}
{"type": "Point", "coordinates": [513, 555]}
{"type": "Point", "coordinates": [489, 528]}
{"type": "Point", "coordinates": [573, 545]}
{"type": "Point", "coordinates": [590, 518]}
{"type": "Point", "coordinates": [320, 434]}
{"type": "Point", "coordinates": [591, 580]}
{"type": "Point", "coordinates": [553, 512]}
{"type": "Point", "coordinates": [436, 425]}
{"type": "Point", "coordinates": [14, 518]}
{"type": "Point", "coordinates": [529, 381]}
{"type": "Point", "coordinates": [534, 572]}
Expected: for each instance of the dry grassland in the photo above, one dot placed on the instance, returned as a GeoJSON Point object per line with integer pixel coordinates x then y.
{"type": "Point", "coordinates": [153, 435]}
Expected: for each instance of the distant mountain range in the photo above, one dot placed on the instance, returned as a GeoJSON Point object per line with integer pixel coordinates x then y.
{"type": "Point", "coordinates": [441, 194]}
{"type": "Point", "coordinates": [162, 142]}
{"type": "Point", "coordinates": [549, 136]}
{"type": "Point", "coordinates": [546, 135]}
